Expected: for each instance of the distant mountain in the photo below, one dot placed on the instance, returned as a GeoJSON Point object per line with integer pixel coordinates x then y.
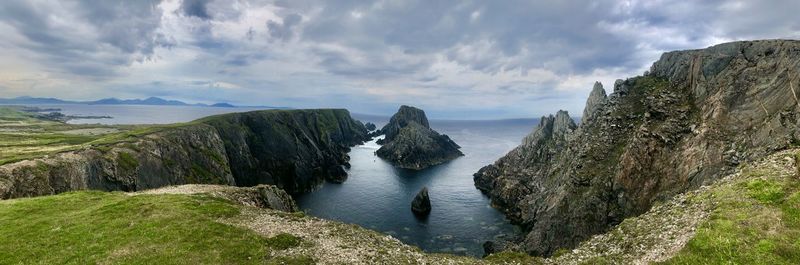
{"type": "Point", "coordinates": [32, 100]}
{"type": "Point", "coordinates": [147, 101]}
{"type": "Point", "coordinates": [108, 101]}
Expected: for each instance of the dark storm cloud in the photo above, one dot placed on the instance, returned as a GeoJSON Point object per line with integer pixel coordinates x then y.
{"type": "Point", "coordinates": [88, 38]}
{"type": "Point", "coordinates": [195, 8]}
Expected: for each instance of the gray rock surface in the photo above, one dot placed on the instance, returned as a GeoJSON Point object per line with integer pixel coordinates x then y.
{"type": "Point", "coordinates": [597, 98]}
{"type": "Point", "coordinates": [410, 142]}
{"type": "Point", "coordinates": [404, 116]}
{"type": "Point", "coordinates": [693, 118]}
{"type": "Point", "coordinates": [421, 205]}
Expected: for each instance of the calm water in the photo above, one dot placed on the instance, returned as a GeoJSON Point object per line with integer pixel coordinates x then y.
{"type": "Point", "coordinates": [140, 114]}
{"type": "Point", "coordinates": [376, 195]}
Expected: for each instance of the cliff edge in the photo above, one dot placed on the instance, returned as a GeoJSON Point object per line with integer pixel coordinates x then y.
{"type": "Point", "coordinates": [294, 150]}
{"type": "Point", "coordinates": [691, 119]}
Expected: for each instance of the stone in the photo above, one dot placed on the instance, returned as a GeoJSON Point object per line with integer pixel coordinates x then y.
{"type": "Point", "coordinates": [597, 98]}
{"type": "Point", "coordinates": [370, 126]}
{"type": "Point", "coordinates": [421, 205]}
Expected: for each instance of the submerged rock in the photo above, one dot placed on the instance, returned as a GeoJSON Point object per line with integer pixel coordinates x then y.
{"type": "Point", "coordinates": [421, 205]}
{"type": "Point", "coordinates": [410, 142]}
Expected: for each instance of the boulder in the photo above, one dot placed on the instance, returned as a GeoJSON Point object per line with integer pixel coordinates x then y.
{"type": "Point", "coordinates": [421, 205]}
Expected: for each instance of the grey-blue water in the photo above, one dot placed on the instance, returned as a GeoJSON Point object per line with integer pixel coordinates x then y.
{"type": "Point", "coordinates": [378, 196]}
{"type": "Point", "coordinates": [140, 114]}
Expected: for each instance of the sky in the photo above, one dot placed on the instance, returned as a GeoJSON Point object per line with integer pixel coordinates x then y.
{"type": "Point", "coordinates": [454, 59]}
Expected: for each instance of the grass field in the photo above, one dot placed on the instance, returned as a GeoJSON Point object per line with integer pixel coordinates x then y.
{"type": "Point", "coordinates": [23, 136]}
{"type": "Point", "coordinates": [756, 221]}
{"type": "Point", "coordinates": [101, 227]}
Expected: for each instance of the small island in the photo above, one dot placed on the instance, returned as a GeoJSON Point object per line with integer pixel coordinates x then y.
{"type": "Point", "coordinates": [410, 143]}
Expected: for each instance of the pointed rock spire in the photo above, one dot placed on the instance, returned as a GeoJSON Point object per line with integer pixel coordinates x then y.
{"type": "Point", "coordinates": [596, 100]}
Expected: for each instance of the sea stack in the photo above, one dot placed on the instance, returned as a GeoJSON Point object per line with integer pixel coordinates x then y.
{"type": "Point", "coordinates": [410, 143]}
{"type": "Point", "coordinates": [421, 205]}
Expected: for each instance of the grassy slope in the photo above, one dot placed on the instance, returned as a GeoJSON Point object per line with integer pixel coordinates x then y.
{"type": "Point", "coordinates": [756, 221]}
{"type": "Point", "coordinates": [111, 228]}
{"type": "Point", "coordinates": [751, 217]}
{"type": "Point", "coordinates": [98, 227]}
{"type": "Point", "coordinates": [22, 136]}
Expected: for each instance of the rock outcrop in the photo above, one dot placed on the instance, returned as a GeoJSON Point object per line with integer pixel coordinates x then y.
{"type": "Point", "coordinates": [410, 143]}
{"type": "Point", "coordinates": [370, 126]}
{"type": "Point", "coordinates": [691, 119]}
{"type": "Point", "coordinates": [597, 98]}
{"type": "Point", "coordinates": [261, 196]}
{"type": "Point", "coordinates": [421, 205]}
{"type": "Point", "coordinates": [294, 150]}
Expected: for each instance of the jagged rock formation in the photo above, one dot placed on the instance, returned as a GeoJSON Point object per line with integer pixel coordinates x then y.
{"type": "Point", "coordinates": [692, 118]}
{"type": "Point", "coordinates": [597, 98]}
{"type": "Point", "coordinates": [293, 149]}
{"type": "Point", "coordinates": [370, 126]}
{"type": "Point", "coordinates": [421, 205]}
{"type": "Point", "coordinates": [410, 142]}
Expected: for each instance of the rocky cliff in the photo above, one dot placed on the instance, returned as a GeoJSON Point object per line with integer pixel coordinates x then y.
{"type": "Point", "coordinates": [410, 142]}
{"type": "Point", "coordinates": [692, 118]}
{"type": "Point", "coordinates": [292, 149]}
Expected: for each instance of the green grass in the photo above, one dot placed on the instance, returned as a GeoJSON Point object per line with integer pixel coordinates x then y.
{"type": "Point", "coordinates": [127, 161]}
{"type": "Point", "coordinates": [23, 136]}
{"type": "Point", "coordinates": [757, 221]}
{"type": "Point", "coordinates": [97, 227]}
{"type": "Point", "coordinates": [283, 241]}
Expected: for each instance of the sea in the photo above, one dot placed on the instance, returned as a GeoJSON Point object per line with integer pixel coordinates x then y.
{"type": "Point", "coordinates": [377, 195]}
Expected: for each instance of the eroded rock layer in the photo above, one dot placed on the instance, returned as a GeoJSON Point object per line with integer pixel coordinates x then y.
{"type": "Point", "coordinates": [692, 118]}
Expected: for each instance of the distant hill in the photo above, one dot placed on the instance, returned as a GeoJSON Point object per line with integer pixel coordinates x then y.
{"type": "Point", "coordinates": [223, 105]}
{"type": "Point", "coordinates": [32, 100]}
{"type": "Point", "coordinates": [108, 101]}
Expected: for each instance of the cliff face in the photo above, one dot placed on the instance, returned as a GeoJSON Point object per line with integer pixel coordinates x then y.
{"type": "Point", "coordinates": [694, 117]}
{"type": "Point", "coordinates": [295, 150]}
{"type": "Point", "coordinates": [410, 142]}
{"type": "Point", "coordinates": [292, 149]}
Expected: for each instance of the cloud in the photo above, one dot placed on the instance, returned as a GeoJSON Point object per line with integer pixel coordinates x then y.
{"type": "Point", "coordinates": [514, 58]}
{"type": "Point", "coordinates": [86, 38]}
{"type": "Point", "coordinates": [195, 8]}
{"type": "Point", "coordinates": [284, 29]}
